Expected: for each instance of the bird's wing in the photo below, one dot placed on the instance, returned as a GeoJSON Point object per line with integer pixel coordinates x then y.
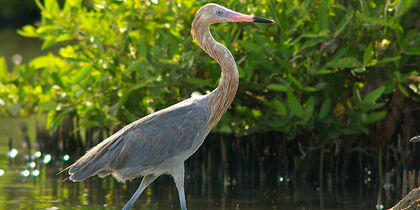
{"type": "Point", "coordinates": [148, 141]}
{"type": "Point", "coordinates": [163, 136]}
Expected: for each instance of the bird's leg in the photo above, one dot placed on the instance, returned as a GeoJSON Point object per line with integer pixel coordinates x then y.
{"type": "Point", "coordinates": [144, 183]}
{"type": "Point", "coordinates": [178, 175]}
{"type": "Point", "coordinates": [181, 195]}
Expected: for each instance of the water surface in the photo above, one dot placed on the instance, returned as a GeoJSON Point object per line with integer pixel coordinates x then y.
{"type": "Point", "coordinates": [30, 182]}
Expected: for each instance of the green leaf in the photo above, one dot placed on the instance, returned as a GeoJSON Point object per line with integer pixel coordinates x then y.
{"type": "Point", "coordinates": [51, 7]}
{"type": "Point", "coordinates": [279, 106]}
{"type": "Point", "coordinates": [295, 81]}
{"type": "Point", "coordinates": [118, 2]}
{"type": "Point", "coordinates": [50, 118]}
{"type": "Point", "coordinates": [138, 65]}
{"type": "Point", "coordinates": [310, 89]}
{"type": "Point", "coordinates": [81, 75]}
{"type": "Point", "coordinates": [323, 71]}
{"type": "Point", "coordinates": [375, 116]}
{"type": "Point", "coordinates": [368, 55]}
{"type": "Point", "coordinates": [391, 23]}
{"type": "Point", "coordinates": [277, 87]}
{"type": "Point", "coordinates": [57, 121]}
{"type": "Point", "coordinates": [325, 108]}
{"type": "Point", "coordinates": [224, 128]}
{"type": "Point", "coordinates": [313, 42]}
{"type": "Point", "coordinates": [45, 29]}
{"type": "Point", "coordinates": [294, 105]}
{"type": "Point", "coordinates": [323, 16]}
{"type": "Point", "coordinates": [3, 69]}
{"type": "Point", "coordinates": [389, 59]}
{"type": "Point", "coordinates": [359, 70]}
{"type": "Point", "coordinates": [85, 123]}
{"type": "Point", "coordinates": [309, 109]}
{"type": "Point", "coordinates": [46, 61]}
{"type": "Point", "coordinates": [364, 7]}
{"type": "Point", "coordinates": [73, 3]}
{"type": "Point", "coordinates": [371, 97]}
{"type": "Point", "coordinates": [373, 106]}
{"type": "Point", "coordinates": [343, 23]}
{"type": "Point", "coordinates": [224, 124]}
{"type": "Point", "coordinates": [249, 68]}
{"type": "Point", "coordinates": [348, 130]}
{"type": "Point", "coordinates": [143, 48]}
{"type": "Point", "coordinates": [413, 51]}
{"type": "Point", "coordinates": [256, 113]}
{"type": "Point", "coordinates": [28, 31]}
{"type": "Point", "coordinates": [356, 94]}
{"type": "Point", "coordinates": [321, 34]}
{"type": "Point", "coordinates": [348, 62]}
{"type": "Point", "coordinates": [403, 90]}
{"type": "Point", "coordinates": [143, 84]}
{"type": "Point", "coordinates": [198, 81]}
{"type": "Point", "coordinates": [403, 6]}
{"type": "Point", "coordinates": [320, 86]}
{"type": "Point", "coordinates": [364, 129]}
{"type": "Point", "coordinates": [63, 37]}
{"type": "Point", "coordinates": [127, 93]}
{"type": "Point", "coordinates": [48, 42]}
{"type": "Point", "coordinates": [250, 46]}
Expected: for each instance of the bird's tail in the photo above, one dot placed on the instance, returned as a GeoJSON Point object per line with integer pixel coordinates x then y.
{"type": "Point", "coordinates": [92, 163]}
{"type": "Point", "coordinates": [97, 161]}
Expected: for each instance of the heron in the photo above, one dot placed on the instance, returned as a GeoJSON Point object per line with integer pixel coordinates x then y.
{"type": "Point", "coordinates": [159, 143]}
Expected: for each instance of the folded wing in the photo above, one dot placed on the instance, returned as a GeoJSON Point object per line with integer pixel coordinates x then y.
{"type": "Point", "coordinates": [148, 141]}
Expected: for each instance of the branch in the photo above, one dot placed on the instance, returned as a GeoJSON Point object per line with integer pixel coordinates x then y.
{"type": "Point", "coordinates": [410, 202]}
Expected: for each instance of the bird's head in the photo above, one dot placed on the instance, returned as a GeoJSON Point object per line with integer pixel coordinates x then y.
{"type": "Point", "coordinates": [214, 13]}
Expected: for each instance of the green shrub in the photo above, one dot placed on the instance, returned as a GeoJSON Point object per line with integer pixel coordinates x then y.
{"type": "Point", "coordinates": [325, 67]}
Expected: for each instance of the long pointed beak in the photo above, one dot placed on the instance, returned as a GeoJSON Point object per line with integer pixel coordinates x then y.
{"type": "Point", "coordinates": [262, 20]}
{"type": "Point", "coordinates": [238, 17]}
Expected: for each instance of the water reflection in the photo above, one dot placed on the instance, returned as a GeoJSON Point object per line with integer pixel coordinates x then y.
{"type": "Point", "coordinates": [29, 181]}
{"type": "Point", "coordinates": [47, 159]}
{"type": "Point", "coordinates": [40, 188]}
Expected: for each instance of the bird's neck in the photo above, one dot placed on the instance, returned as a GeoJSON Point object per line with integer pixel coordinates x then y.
{"type": "Point", "coordinates": [223, 95]}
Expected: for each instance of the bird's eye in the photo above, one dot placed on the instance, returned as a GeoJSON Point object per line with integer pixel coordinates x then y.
{"type": "Point", "coordinates": [219, 12]}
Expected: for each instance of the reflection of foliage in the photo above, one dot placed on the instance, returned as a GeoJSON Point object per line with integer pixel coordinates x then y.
{"type": "Point", "coordinates": [324, 67]}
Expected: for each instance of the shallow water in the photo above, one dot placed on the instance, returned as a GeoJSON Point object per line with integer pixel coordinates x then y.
{"type": "Point", "coordinates": [48, 191]}
{"type": "Point", "coordinates": [21, 187]}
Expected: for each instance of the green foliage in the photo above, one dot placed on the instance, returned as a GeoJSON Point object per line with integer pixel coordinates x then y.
{"type": "Point", "coordinates": [3, 68]}
{"type": "Point", "coordinates": [309, 72]}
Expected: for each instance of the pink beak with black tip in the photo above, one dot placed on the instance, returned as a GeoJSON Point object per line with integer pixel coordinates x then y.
{"type": "Point", "coordinates": [238, 17]}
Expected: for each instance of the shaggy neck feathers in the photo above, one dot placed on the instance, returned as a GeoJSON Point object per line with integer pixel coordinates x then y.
{"type": "Point", "coordinates": [223, 95]}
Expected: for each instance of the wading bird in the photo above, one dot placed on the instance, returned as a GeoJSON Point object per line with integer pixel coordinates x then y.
{"type": "Point", "coordinates": [160, 142]}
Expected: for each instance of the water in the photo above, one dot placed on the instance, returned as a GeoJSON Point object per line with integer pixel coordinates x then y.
{"type": "Point", "coordinates": [22, 188]}
{"type": "Point", "coordinates": [48, 191]}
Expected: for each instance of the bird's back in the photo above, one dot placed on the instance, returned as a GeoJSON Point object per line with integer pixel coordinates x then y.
{"type": "Point", "coordinates": [173, 133]}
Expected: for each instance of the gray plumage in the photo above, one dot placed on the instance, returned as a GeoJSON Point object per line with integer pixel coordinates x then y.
{"type": "Point", "coordinates": [160, 143]}
{"type": "Point", "coordinates": [147, 145]}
